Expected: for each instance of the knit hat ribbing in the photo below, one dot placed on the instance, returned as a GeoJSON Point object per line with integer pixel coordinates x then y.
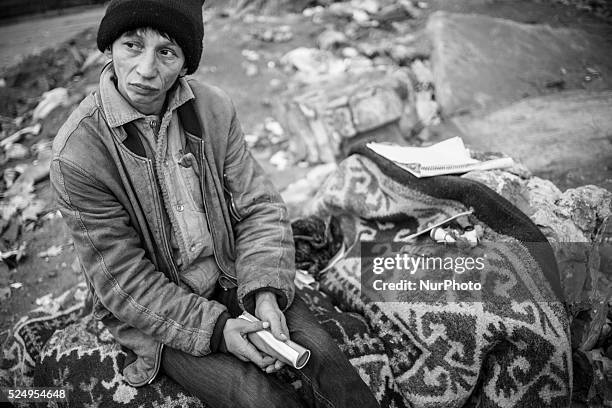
{"type": "Point", "coordinates": [180, 19]}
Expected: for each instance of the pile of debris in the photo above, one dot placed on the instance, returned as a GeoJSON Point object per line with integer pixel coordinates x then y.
{"type": "Point", "coordinates": [37, 96]}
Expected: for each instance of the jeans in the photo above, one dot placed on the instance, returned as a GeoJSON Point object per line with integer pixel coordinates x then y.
{"type": "Point", "coordinates": [222, 380]}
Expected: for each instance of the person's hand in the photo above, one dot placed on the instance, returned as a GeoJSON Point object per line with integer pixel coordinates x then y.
{"type": "Point", "coordinates": [267, 310]}
{"type": "Point", "coordinates": [272, 360]}
{"type": "Point", "coordinates": [235, 333]}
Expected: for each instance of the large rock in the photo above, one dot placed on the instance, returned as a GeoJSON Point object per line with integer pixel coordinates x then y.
{"type": "Point", "coordinates": [482, 62]}
{"type": "Point", "coordinates": [553, 133]}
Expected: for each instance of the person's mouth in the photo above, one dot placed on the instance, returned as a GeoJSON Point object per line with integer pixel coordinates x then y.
{"type": "Point", "coordinates": [142, 88]}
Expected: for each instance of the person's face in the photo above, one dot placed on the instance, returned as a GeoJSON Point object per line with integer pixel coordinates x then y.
{"type": "Point", "coordinates": [146, 65]}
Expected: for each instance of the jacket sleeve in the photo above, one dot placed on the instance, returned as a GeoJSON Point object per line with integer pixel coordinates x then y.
{"type": "Point", "coordinates": [123, 278]}
{"type": "Point", "coordinates": [264, 242]}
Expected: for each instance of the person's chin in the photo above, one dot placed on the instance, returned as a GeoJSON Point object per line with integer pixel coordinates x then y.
{"type": "Point", "coordinates": [142, 100]}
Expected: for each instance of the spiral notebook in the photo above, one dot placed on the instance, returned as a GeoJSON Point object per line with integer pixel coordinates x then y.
{"type": "Point", "coordinates": [447, 157]}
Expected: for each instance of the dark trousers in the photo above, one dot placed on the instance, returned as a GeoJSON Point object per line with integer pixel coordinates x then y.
{"type": "Point", "coordinates": [222, 380]}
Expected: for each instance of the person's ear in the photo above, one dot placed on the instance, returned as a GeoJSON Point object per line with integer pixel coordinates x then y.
{"type": "Point", "coordinates": [108, 52]}
{"type": "Point", "coordinates": [183, 72]}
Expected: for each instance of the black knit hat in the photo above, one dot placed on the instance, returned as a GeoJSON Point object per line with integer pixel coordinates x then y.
{"type": "Point", "coordinates": [180, 19]}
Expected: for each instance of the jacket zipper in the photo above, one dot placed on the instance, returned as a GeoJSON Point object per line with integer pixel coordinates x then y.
{"type": "Point", "coordinates": [212, 231]}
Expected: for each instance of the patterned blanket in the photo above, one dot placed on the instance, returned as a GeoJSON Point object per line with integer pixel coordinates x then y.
{"type": "Point", "coordinates": [61, 345]}
{"type": "Point", "coordinates": [504, 346]}
{"type": "Point", "coordinates": [508, 348]}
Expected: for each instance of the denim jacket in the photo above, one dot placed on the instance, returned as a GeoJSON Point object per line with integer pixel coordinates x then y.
{"type": "Point", "coordinates": [109, 198]}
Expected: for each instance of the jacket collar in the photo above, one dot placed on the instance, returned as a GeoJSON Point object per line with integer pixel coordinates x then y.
{"type": "Point", "coordinates": [118, 111]}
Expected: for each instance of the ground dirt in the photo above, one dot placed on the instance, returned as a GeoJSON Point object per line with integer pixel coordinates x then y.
{"type": "Point", "coordinates": [221, 65]}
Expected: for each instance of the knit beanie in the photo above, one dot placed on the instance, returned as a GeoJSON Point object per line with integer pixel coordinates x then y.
{"type": "Point", "coordinates": [180, 19]}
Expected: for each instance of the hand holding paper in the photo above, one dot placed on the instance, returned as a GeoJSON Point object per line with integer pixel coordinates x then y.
{"type": "Point", "coordinates": [286, 351]}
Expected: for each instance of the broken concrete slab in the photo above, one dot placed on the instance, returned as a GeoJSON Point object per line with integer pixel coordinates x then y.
{"type": "Point", "coordinates": [483, 63]}
{"type": "Point", "coordinates": [571, 129]}
{"type": "Point", "coordinates": [322, 117]}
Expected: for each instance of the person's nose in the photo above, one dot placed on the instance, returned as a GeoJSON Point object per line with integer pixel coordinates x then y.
{"type": "Point", "coordinates": [147, 66]}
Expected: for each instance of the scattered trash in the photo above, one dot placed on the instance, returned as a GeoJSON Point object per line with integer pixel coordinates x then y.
{"type": "Point", "coordinates": [281, 160]}
{"type": "Point", "coordinates": [16, 285]}
{"type": "Point", "coordinates": [45, 301]}
{"type": "Point", "coordinates": [94, 58]}
{"type": "Point", "coordinates": [275, 128]}
{"type": "Point", "coordinates": [52, 251]}
{"type": "Point", "coordinates": [250, 69]}
{"type": "Point", "coordinates": [276, 34]}
{"type": "Point", "coordinates": [313, 63]}
{"type": "Point", "coordinates": [422, 72]}
{"type": "Point", "coordinates": [402, 54]}
{"type": "Point", "coordinates": [251, 55]}
{"type": "Point", "coordinates": [16, 151]}
{"type": "Point", "coordinates": [5, 293]}
{"type": "Point", "coordinates": [303, 279]}
{"type": "Point", "coordinates": [251, 139]}
{"type": "Point", "coordinates": [51, 215]}
{"type": "Point", "coordinates": [298, 192]}
{"type": "Point", "coordinates": [557, 84]}
{"type": "Point", "coordinates": [51, 304]}
{"type": "Point", "coordinates": [51, 100]}
{"type": "Point", "coordinates": [76, 266]}
{"type": "Point", "coordinates": [15, 137]}
{"type": "Point", "coordinates": [591, 74]}
{"type": "Point", "coordinates": [350, 11]}
{"type": "Point", "coordinates": [369, 6]}
{"type": "Point", "coordinates": [427, 108]}
{"type": "Point", "coordinates": [331, 39]}
{"type": "Point", "coordinates": [30, 213]}
{"type": "Point", "coordinates": [350, 52]}
{"type": "Point", "coordinates": [30, 174]}
{"type": "Point", "coordinates": [313, 11]}
{"type": "Point", "coordinates": [15, 255]}
{"type": "Point", "coordinates": [276, 84]}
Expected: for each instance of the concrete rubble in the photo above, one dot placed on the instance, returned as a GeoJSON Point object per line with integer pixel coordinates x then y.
{"type": "Point", "coordinates": [331, 113]}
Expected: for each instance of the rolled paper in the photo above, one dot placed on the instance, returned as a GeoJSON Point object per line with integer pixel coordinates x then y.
{"type": "Point", "coordinates": [291, 352]}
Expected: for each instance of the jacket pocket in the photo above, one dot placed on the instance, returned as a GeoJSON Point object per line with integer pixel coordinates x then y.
{"type": "Point", "coordinates": [191, 181]}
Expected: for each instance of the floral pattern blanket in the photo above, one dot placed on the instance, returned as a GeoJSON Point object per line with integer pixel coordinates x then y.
{"type": "Point", "coordinates": [508, 348]}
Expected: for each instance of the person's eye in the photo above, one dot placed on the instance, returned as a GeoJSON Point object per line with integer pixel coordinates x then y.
{"type": "Point", "coordinates": [132, 45]}
{"type": "Point", "coordinates": [166, 52]}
